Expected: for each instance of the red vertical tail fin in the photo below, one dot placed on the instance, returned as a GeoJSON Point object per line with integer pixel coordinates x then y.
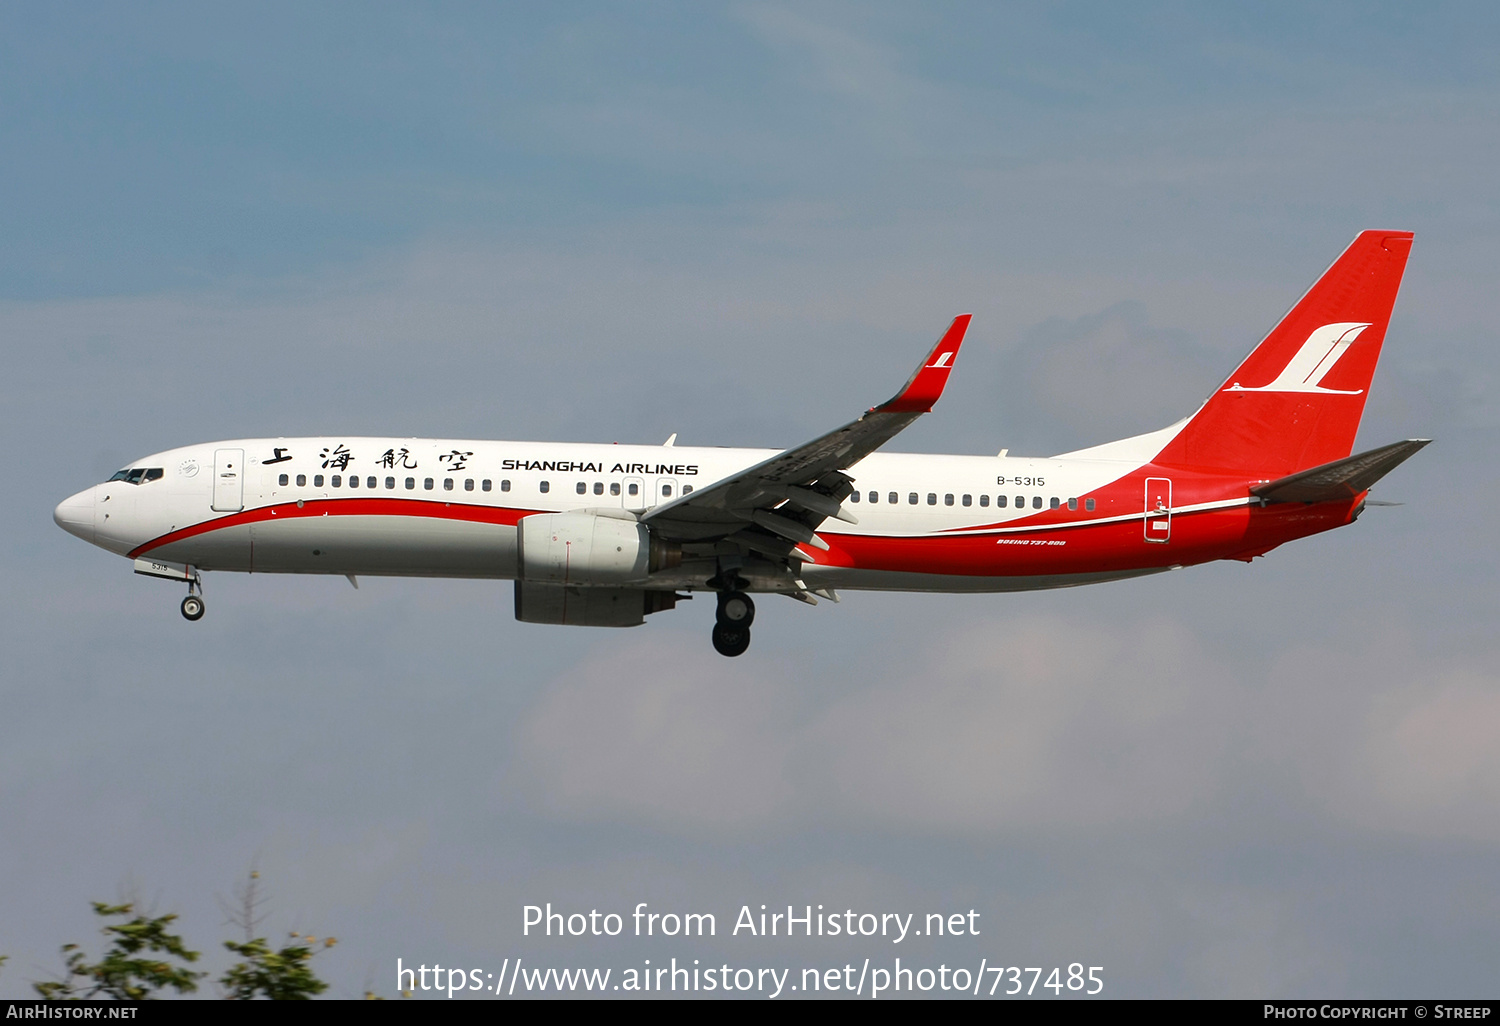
{"type": "Point", "coordinates": [1296, 400]}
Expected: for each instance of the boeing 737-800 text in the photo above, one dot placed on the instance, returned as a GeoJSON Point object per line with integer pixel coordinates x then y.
{"type": "Point", "coordinates": [604, 535]}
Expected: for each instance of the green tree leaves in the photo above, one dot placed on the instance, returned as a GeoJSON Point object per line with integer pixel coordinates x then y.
{"type": "Point", "coordinates": [144, 959]}
{"type": "Point", "coordinates": [284, 975]}
{"type": "Point", "coordinates": [132, 969]}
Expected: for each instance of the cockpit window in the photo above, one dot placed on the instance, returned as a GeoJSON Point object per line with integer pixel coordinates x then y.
{"type": "Point", "coordinates": [138, 475]}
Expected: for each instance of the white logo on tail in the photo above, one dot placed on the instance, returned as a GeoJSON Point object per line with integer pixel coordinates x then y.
{"type": "Point", "coordinates": [1323, 348]}
{"type": "Point", "coordinates": [941, 361]}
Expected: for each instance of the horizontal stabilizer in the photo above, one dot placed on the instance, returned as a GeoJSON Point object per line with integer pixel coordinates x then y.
{"type": "Point", "coordinates": [1341, 479]}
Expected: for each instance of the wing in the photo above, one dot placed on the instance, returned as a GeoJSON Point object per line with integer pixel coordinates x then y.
{"type": "Point", "coordinates": [775, 506]}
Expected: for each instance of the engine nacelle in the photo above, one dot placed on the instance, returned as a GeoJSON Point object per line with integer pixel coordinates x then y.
{"type": "Point", "coordinates": [586, 548]}
{"type": "Point", "coordinates": [588, 607]}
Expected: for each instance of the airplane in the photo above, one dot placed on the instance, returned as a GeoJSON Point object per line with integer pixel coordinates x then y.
{"type": "Point", "coordinates": [605, 535]}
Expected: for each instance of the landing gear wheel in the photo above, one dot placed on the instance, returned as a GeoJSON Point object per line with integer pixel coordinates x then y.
{"type": "Point", "coordinates": [736, 609]}
{"type": "Point", "coordinates": [730, 641]}
{"type": "Point", "coordinates": [192, 607]}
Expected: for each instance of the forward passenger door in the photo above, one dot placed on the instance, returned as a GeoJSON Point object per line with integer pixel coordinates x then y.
{"type": "Point", "coordinates": [229, 480]}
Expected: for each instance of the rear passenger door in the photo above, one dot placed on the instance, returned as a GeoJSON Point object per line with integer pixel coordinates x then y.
{"type": "Point", "coordinates": [1158, 509]}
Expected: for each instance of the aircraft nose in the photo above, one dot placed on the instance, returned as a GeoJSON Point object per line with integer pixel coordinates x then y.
{"type": "Point", "coordinates": [75, 514]}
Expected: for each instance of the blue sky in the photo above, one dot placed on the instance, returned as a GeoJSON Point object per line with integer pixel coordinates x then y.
{"type": "Point", "coordinates": [176, 146]}
{"type": "Point", "coordinates": [739, 222]}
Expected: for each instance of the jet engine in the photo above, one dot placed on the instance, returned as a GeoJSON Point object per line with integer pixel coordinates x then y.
{"type": "Point", "coordinates": [588, 606]}
{"type": "Point", "coordinates": [588, 548]}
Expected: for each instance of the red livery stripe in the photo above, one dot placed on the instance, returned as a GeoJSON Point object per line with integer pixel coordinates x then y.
{"type": "Point", "coordinates": [351, 507]}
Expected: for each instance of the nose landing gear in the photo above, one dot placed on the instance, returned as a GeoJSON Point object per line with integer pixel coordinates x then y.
{"type": "Point", "coordinates": [735, 613]}
{"type": "Point", "coordinates": [192, 606]}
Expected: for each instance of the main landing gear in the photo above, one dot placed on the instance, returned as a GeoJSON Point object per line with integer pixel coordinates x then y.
{"type": "Point", "coordinates": [732, 631]}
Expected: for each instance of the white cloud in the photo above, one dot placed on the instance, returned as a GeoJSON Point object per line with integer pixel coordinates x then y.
{"type": "Point", "coordinates": [864, 75]}
{"type": "Point", "coordinates": [1036, 723]}
{"type": "Point", "coordinates": [1037, 727]}
{"type": "Point", "coordinates": [1427, 758]}
{"type": "Point", "coordinates": [657, 731]}
{"type": "Point", "coordinates": [1251, 943]}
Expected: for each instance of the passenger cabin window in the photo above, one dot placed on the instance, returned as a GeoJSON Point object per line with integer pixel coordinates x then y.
{"type": "Point", "coordinates": [505, 484]}
{"type": "Point", "coordinates": [411, 483]}
{"type": "Point", "coordinates": [984, 500]}
{"type": "Point", "coordinates": [893, 498]}
{"type": "Point", "coordinates": [353, 481]}
{"type": "Point", "coordinates": [633, 488]}
{"type": "Point", "coordinates": [1072, 503]}
{"type": "Point", "coordinates": [301, 480]}
{"type": "Point", "coordinates": [370, 482]}
{"type": "Point", "coordinates": [913, 498]}
{"type": "Point", "coordinates": [282, 480]}
{"type": "Point", "coordinates": [948, 499]}
{"type": "Point", "coordinates": [968, 500]}
{"type": "Point", "coordinates": [390, 483]}
{"type": "Point", "coordinates": [932, 498]}
{"type": "Point", "coordinates": [427, 483]}
{"type": "Point", "coordinates": [545, 487]}
{"type": "Point", "coordinates": [854, 496]}
{"type": "Point", "coordinates": [335, 480]}
{"type": "Point", "coordinates": [448, 484]}
{"type": "Point", "coordinates": [614, 488]}
{"type": "Point", "coordinates": [1001, 501]}
{"type": "Point", "coordinates": [317, 480]}
{"type": "Point", "coordinates": [485, 484]}
{"type": "Point", "coordinates": [1054, 503]}
{"type": "Point", "coordinates": [583, 489]}
{"type": "Point", "coordinates": [666, 491]}
{"type": "Point", "coordinates": [687, 489]}
{"type": "Point", "coordinates": [1036, 502]}
{"type": "Point", "coordinates": [1020, 502]}
{"type": "Point", "coordinates": [598, 487]}
{"type": "Point", "coordinates": [1088, 504]}
{"type": "Point", "coordinates": [468, 484]}
{"type": "Point", "coordinates": [874, 496]}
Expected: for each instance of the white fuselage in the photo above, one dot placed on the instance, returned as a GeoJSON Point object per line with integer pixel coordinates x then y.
{"type": "Point", "coordinates": [445, 508]}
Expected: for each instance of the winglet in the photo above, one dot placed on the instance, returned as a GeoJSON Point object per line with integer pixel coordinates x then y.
{"type": "Point", "coordinates": [926, 385]}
